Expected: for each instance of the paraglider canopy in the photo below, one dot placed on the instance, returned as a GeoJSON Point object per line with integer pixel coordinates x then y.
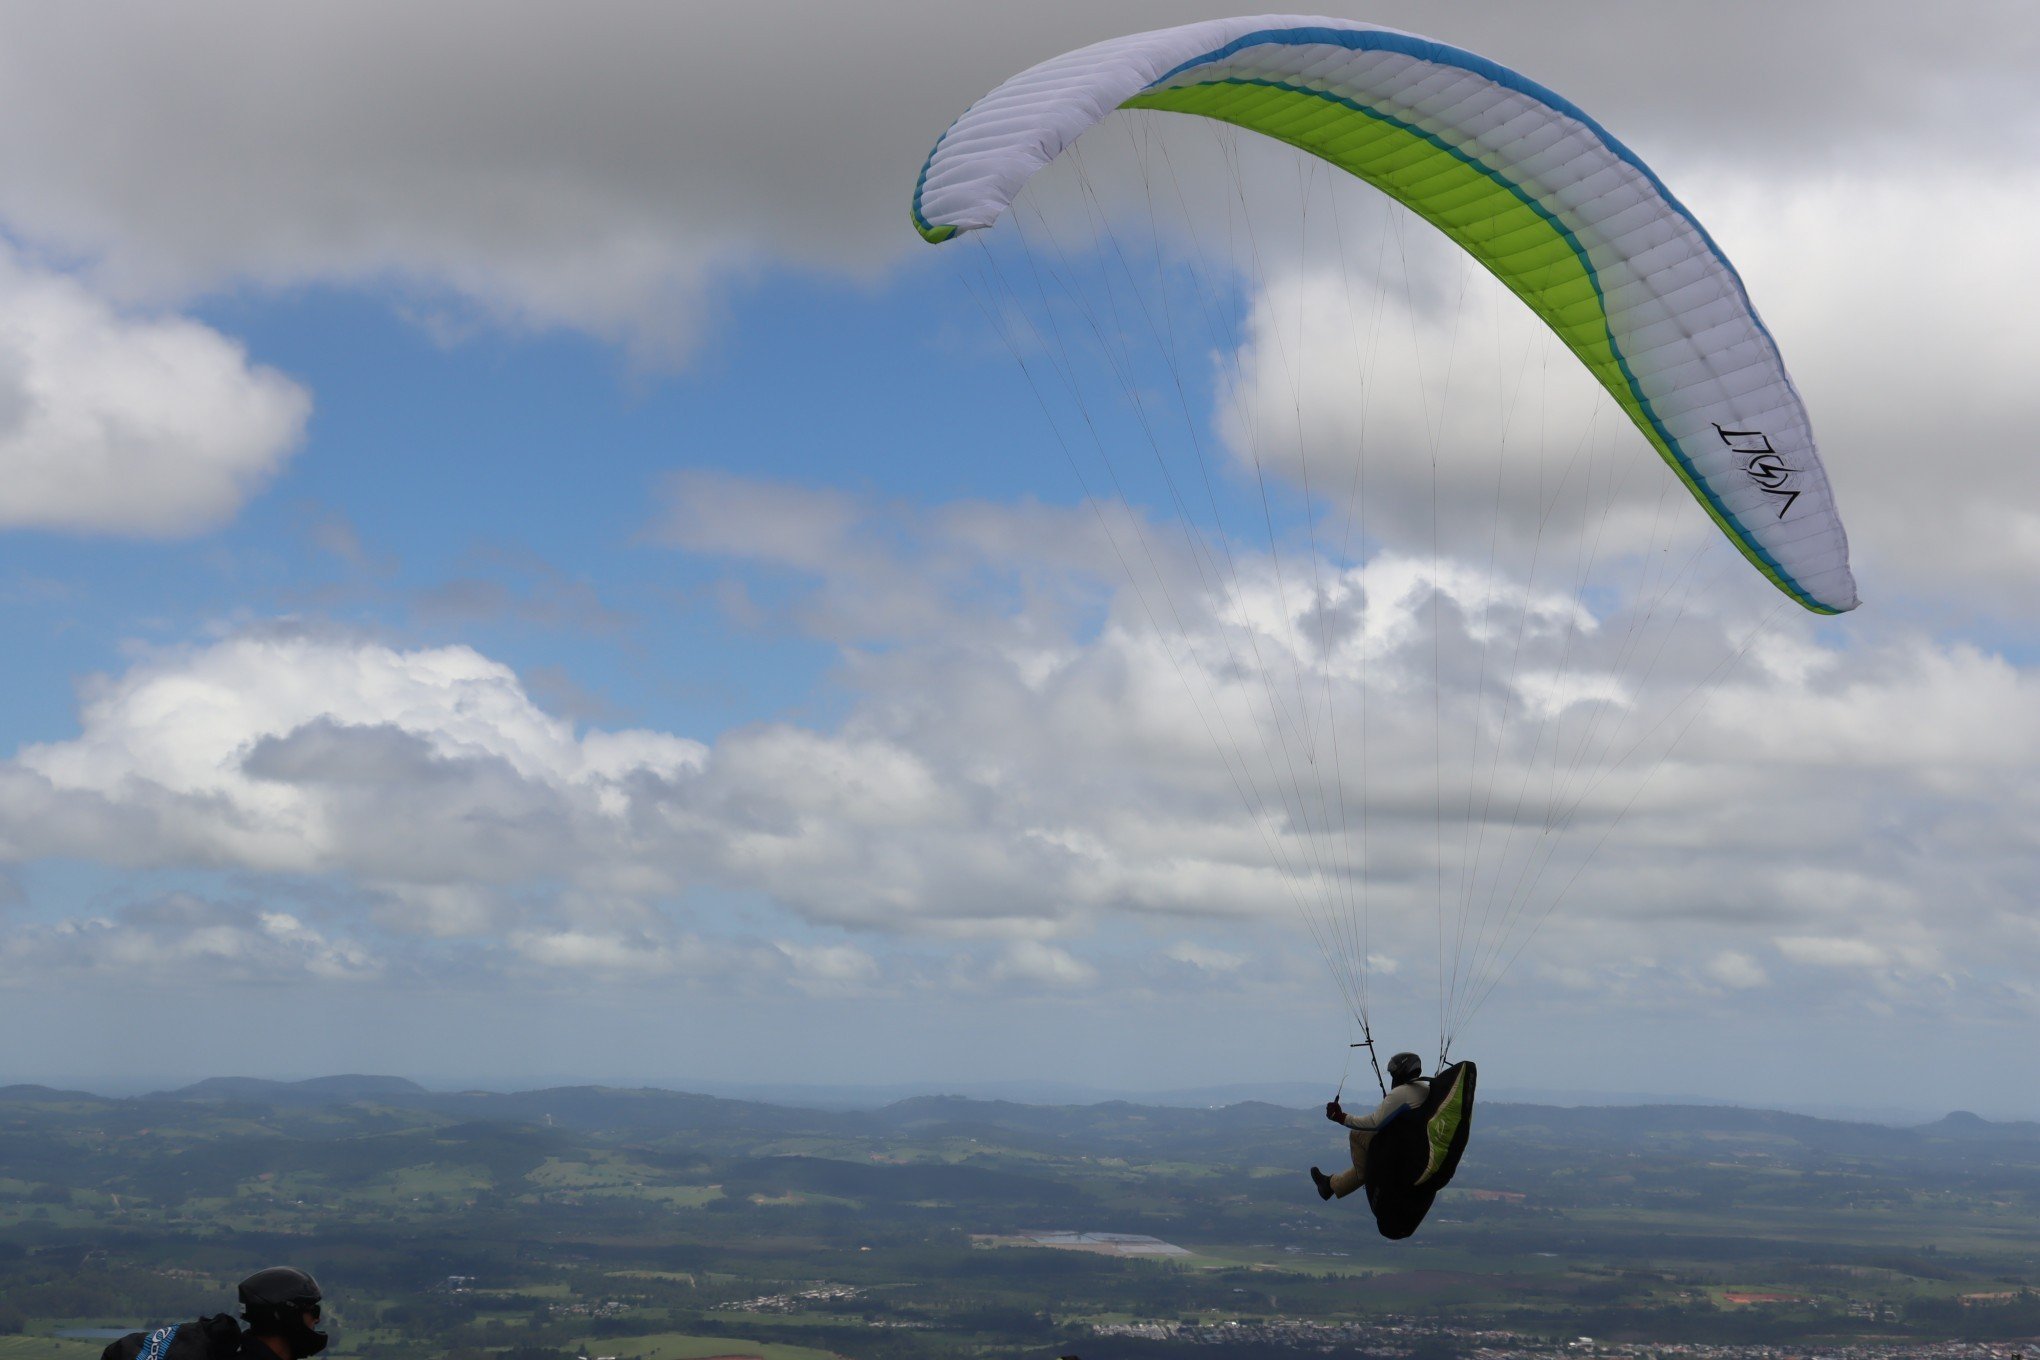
{"type": "Point", "coordinates": [1548, 200]}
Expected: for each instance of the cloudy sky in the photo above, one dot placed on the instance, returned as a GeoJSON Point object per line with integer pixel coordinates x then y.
{"type": "Point", "coordinates": [518, 564]}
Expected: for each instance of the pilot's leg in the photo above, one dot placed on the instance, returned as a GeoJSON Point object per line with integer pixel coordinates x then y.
{"type": "Point", "coordinates": [1346, 1182]}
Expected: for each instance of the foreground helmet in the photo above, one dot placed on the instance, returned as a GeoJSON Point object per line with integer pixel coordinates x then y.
{"type": "Point", "coordinates": [1405, 1067]}
{"type": "Point", "coordinates": [275, 1301]}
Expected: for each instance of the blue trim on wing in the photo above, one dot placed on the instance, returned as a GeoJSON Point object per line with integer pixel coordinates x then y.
{"type": "Point", "coordinates": [922, 223]}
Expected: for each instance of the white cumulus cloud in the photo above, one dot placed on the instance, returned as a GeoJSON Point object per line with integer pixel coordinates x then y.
{"type": "Point", "coordinates": [154, 427]}
{"type": "Point", "coordinates": [183, 935]}
{"type": "Point", "coordinates": [1736, 971]}
{"type": "Point", "coordinates": [1033, 961]}
{"type": "Point", "coordinates": [1015, 772]}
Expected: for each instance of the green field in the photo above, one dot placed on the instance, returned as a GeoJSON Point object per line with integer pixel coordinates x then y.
{"type": "Point", "coordinates": [678, 1346]}
{"type": "Point", "coordinates": [46, 1347]}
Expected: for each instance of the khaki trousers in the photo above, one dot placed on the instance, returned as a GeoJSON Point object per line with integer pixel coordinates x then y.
{"type": "Point", "coordinates": [1346, 1182]}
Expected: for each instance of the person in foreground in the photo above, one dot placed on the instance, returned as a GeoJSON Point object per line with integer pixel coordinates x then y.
{"type": "Point", "coordinates": [1407, 1091]}
{"type": "Point", "coordinates": [281, 1306]}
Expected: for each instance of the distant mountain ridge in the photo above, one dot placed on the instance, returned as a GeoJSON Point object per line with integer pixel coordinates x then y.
{"type": "Point", "coordinates": [315, 1091]}
{"type": "Point", "coordinates": [42, 1095]}
{"type": "Point", "coordinates": [1963, 1124]}
{"type": "Point", "coordinates": [1235, 1129]}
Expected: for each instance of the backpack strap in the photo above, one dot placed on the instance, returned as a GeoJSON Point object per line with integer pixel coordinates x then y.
{"type": "Point", "coordinates": [158, 1343]}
